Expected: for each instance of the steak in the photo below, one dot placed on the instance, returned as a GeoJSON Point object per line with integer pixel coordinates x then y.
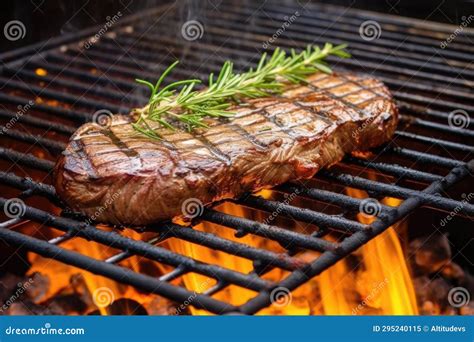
{"type": "Point", "coordinates": [115, 174]}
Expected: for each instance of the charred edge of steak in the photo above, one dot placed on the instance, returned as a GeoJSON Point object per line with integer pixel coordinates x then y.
{"type": "Point", "coordinates": [114, 175]}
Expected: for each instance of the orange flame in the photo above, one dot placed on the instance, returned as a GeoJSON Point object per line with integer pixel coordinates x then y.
{"type": "Point", "coordinates": [103, 291]}
{"type": "Point", "coordinates": [380, 284]}
{"type": "Point", "coordinates": [373, 280]}
{"type": "Point", "coordinates": [383, 285]}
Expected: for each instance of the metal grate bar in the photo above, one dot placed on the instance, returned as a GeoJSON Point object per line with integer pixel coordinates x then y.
{"type": "Point", "coordinates": [123, 60]}
{"type": "Point", "coordinates": [128, 72]}
{"type": "Point", "coordinates": [147, 55]}
{"type": "Point", "coordinates": [441, 103]}
{"type": "Point", "coordinates": [302, 214]}
{"type": "Point", "coordinates": [142, 248]}
{"type": "Point", "coordinates": [37, 48]}
{"type": "Point", "coordinates": [424, 87]}
{"type": "Point", "coordinates": [74, 85]}
{"type": "Point", "coordinates": [34, 139]}
{"type": "Point", "coordinates": [222, 29]}
{"type": "Point", "coordinates": [125, 255]}
{"type": "Point", "coordinates": [343, 201]}
{"type": "Point", "coordinates": [394, 169]}
{"type": "Point", "coordinates": [426, 157]}
{"type": "Point", "coordinates": [424, 27]}
{"type": "Point", "coordinates": [61, 239]}
{"type": "Point", "coordinates": [25, 159]}
{"type": "Point", "coordinates": [439, 127]}
{"type": "Point", "coordinates": [103, 79]}
{"type": "Point", "coordinates": [372, 53]}
{"type": "Point", "coordinates": [353, 242]}
{"type": "Point", "coordinates": [117, 273]}
{"type": "Point", "coordinates": [164, 56]}
{"type": "Point", "coordinates": [34, 121]}
{"type": "Point", "coordinates": [177, 272]}
{"type": "Point", "coordinates": [35, 188]}
{"type": "Point", "coordinates": [63, 112]}
{"type": "Point", "coordinates": [286, 238]}
{"type": "Point", "coordinates": [417, 109]}
{"type": "Point", "coordinates": [438, 142]}
{"type": "Point", "coordinates": [118, 59]}
{"type": "Point", "coordinates": [348, 24]}
{"type": "Point", "coordinates": [347, 35]}
{"type": "Point", "coordinates": [403, 95]}
{"type": "Point", "coordinates": [67, 98]}
{"type": "Point", "coordinates": [235, 248]}
{"type": "Point", "coordinates": [399, 192]}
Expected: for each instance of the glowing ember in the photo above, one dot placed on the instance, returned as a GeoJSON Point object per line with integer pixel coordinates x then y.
{"type": "Point", "coordinates": [41, 72]}
{"type": "Point", "coordinates": [102, 292]}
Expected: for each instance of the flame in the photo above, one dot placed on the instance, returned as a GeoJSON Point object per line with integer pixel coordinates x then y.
{"type": "Point", "coordinates": [233, 294]}
{"type": "Point", "coordinates": [373, 280]}
{"type": "Point", "coordinates": [380, 284]}
{"type": "Point", "coordinates": [60, 274]}
{"type": "Point", "coordinates": [383, 284]}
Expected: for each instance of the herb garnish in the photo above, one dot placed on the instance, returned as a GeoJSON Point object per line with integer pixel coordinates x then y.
{"type": "Point", "coordinates": [180, 101]}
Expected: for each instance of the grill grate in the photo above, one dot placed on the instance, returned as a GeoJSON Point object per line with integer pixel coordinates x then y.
{"type": "Point", "coordinates": [427, 82]}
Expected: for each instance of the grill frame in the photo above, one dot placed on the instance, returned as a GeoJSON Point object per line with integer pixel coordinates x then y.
{"type": "Point", "coordinates": [13, 63]}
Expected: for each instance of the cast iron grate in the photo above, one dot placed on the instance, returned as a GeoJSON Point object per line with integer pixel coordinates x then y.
{"type": "Point", "coordinates": [428, 82]}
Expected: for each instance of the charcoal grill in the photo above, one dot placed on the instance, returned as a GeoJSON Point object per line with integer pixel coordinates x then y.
{"type": "Point", "coordinates": [428, 83]}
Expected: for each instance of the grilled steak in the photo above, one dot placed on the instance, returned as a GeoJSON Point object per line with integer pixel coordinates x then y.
{"type": "Point", "coordinates": [117, 175]}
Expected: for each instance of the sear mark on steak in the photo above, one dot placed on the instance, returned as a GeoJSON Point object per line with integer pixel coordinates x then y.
{"type": "Point", "coordinates": [119, 176]}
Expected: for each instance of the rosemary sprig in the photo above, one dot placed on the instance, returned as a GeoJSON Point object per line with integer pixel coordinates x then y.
{"type": "Point", "coordinates": [181, 102]}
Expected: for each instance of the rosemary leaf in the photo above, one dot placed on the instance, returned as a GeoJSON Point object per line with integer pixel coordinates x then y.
{"type": "Point", "coordinates": [180, 102]}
